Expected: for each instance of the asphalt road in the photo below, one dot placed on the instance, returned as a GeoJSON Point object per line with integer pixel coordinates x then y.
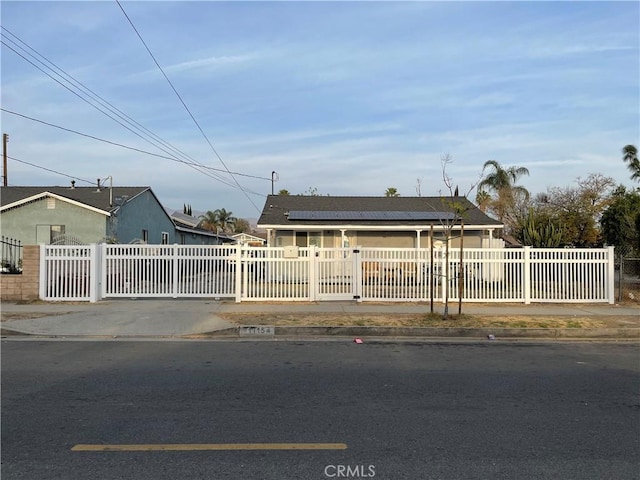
{"type": "Point", "coordinates": [390, 410]}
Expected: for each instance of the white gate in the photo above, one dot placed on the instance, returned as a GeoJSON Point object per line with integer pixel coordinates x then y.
{"type": "Point", "coordinates": [337, 273]}
{"type": "Point", "coordinates": [69, 272]}
{"type": "Point", "coordinates": [168, 271]}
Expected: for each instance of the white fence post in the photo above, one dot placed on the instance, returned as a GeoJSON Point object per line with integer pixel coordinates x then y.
{"type": "Point", "coordinates": [94, 273]}
{"type": "Point", "coordinates": [444, 273]}
{"type": "Point", "coordinates": [313, 273]}
{"type": "Point", "coordinates": [526, 270]}
{"type": "Point", "coordinates": [356, 277]}
{"type": "Point", "coordinates": [176, 264]}
{"type": "Point", "coordinates": [611, 274]}
{"type": "Point", "coordinates": [238, 261]}
{"type": "Point", "coordinates": [43, 272]}
{"type": "Point", "coordinates": [103, 271]}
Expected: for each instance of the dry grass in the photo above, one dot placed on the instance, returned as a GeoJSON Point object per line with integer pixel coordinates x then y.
{"type": "Point", "coordinates": [426, 320]}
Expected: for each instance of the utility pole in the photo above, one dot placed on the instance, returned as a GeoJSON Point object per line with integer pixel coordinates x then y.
{"type": "Point", "coordinates": [5, 140]}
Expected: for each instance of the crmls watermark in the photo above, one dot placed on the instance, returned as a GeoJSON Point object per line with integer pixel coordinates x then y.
{"type": "Point", "coordinates": [350, 471]}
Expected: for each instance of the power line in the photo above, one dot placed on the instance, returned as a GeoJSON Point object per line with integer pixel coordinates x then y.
{"type": "Point", "coordinates": [73, 176]}
{"type": "Point", "coordinates": [65, 76]}
{"type": "Point", "coordinates": [124, 146]}
{"type": "Point", "coordinates": [185, 105]}
{"type": "Point", "coordinates": [81, 86]}
{"type": "Point", "coordinates": [50, 170]}
{"type": "Point", "coordinates": [195, 164]}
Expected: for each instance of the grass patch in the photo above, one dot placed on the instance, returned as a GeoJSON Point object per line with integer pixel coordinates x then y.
{"type": "Point", "coordinates": [414, 320]}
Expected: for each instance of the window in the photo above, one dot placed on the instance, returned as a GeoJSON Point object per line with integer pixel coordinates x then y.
{"type": "Point", "coordinates": [301, 239]}
{"type": "Point", "coordinates": [145, 236]}
{"type": "Point", "coordinates": [56, 231]}
{"type": "Point", "coordinates": [48, 233]}
{"type": "Point", "coordinates": [165, 238]}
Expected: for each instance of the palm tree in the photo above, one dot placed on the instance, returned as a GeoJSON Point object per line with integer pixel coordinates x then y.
{"type": "Point", "coordinates": [217, 220]}
{"type": "Point", "coordinates": [482, 200]}
{"type": "Point", "coordinates": [630, 155]}
{"type": "Point", "coordinates": [391, 192]}
{"type": "Point", "coordinates": [226, 220]}
{"type": "Point", "coordinates": [209, 221]}
{"type": "Point", "coordinates": [502, 182]}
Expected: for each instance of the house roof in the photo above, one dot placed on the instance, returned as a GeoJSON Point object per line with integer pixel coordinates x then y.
{"type": "Point", "coordinates": [247, 236]}
{"type": "Point", "coordinates": [91, 196]}
{"type": "Point", "coordinates": [184, 219]}
{"type": "Point", "coordinates": [365, 211]}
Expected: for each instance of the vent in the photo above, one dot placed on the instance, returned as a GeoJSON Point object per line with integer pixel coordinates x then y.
{"type": "Point", "coordinates": [51, 203]}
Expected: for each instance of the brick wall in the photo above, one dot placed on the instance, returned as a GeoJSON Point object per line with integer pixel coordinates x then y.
{"type": "Point", "coordinates": [24, 286]}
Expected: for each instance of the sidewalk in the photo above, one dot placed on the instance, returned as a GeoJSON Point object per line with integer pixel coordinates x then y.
{"type": "Point", "coordinates": [188, 318]}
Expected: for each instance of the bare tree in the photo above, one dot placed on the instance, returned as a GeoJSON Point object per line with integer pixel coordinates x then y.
{"type": "Point", "coordinates": [459, 208]}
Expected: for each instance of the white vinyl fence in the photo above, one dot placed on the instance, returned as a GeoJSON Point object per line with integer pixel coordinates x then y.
{"type": "Point", "coordinates": [93, 272]}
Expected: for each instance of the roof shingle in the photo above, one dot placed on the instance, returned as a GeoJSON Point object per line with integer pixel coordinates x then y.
{"type": "Point", "coordinates": [278, 206]}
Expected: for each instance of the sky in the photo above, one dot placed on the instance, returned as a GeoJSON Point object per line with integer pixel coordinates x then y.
{"type": "Point", "coordinates": [338, 98]}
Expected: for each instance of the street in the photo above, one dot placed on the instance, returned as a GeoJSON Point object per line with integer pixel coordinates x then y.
{"type": "Point", "coordinates": [319, 409]}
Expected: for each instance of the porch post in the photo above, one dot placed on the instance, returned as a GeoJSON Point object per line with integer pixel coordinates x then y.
{"type": "Point", "coordinates": [418, 238]}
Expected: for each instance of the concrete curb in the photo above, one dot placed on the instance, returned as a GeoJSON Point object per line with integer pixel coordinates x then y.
{"type": "Point", "coordinates": [357, 331]}
{"type": "Point", "coordinates": [265, 332]}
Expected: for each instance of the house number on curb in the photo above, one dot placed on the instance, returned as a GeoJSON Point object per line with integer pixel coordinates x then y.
{"type": "Point", "coordinates": [257, 330]}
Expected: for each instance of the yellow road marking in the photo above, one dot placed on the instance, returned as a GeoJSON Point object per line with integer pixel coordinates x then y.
{"type": "Point", "coordinates": [208, 446]}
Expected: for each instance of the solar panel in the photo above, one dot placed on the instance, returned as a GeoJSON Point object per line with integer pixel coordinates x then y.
{"type": "Point", "coordinates": [353, 215]}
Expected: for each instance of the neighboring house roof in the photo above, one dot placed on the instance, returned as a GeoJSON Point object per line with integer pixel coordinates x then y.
{"type": "Point", "coordinates": [199, 231]}
{"type": "Point", "coordinates": [282, 211]}
{"type": "Point", "coordinates": [246, 236]}
{"type": "Point", "coordinates": [105, 199]}
{"type": "Point", "coordinates": [184, 219]}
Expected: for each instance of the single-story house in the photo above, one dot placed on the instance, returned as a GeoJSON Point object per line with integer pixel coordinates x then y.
{"type": "Point", "coordinates": [188, 231]}
{"type": "Point", "coordinates": [400, 222]}
{"type": "Point", "coordinates": [45, 215]}
{"type": "Point", "coordinates": [247, 239]}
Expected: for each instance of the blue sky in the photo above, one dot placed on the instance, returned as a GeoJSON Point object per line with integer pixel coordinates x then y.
{"type": "Point", "coordinates": [349, 98]}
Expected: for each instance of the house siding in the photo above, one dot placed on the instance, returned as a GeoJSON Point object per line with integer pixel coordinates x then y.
{"type": "Point", "coordinates": [189, 238]}
{"type": "Point", "coordinates": [89, 226]}
{"type": "Point", "coordinates": [142, 212]}
{"type": "Point", "coordinates": [385, 239]}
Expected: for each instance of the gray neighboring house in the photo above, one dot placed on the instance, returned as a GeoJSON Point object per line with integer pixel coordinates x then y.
{"type": "Point", "coordinates": [391, 222]}
{"type": "Point", "coordinates": [188, 232]}
{"type": "Point", "coordinates": [45, 215]}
